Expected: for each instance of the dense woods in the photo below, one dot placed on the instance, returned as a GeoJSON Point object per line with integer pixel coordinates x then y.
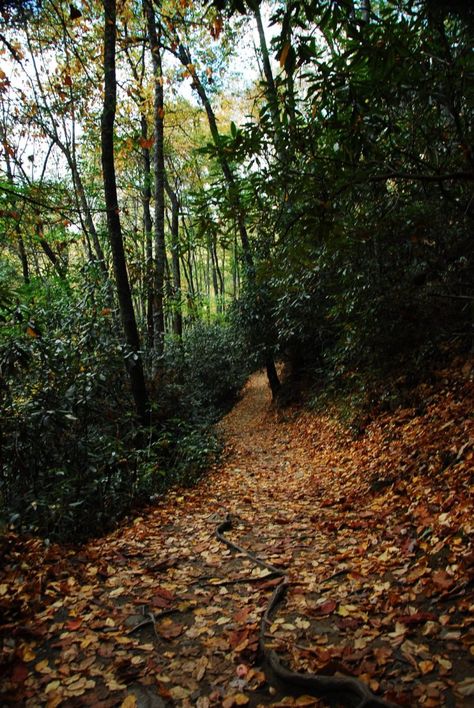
{"type": "Point", "coordinates": [189, 192]}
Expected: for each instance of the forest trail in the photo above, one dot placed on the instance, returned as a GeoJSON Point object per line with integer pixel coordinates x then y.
{"type": "Point", "coordinates": [375, 534]}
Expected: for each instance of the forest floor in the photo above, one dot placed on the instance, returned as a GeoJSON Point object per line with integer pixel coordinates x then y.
{"type": "Point", "coordinates": [374, 534]}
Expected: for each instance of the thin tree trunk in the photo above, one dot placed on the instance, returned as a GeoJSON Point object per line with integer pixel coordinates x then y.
{"type": "Point", "coordinates": [58, 265]}
{"type": "Point", "coordinates": [134, 360]}
{"type": "Point", "coordinates": [23, 257]}
{"type": "Point", "coordinates": [234, 196]}
{"type": "Point", "coordinates": [90, 229]}
{"type": "Point", "coordinates": [159, 175]}
{"type": "Point", "coordinates": [175, 265]}
{"type": "Point", "coordinates": [234, 199]}
{"type": "Point", "coordinates": [216, 274]}
{"type": "Point", "coordinates": [366, 9]}
{"type": "Point", "coordinates": [148, 226]}
{"type": "Point", "coordinates": [271, 90]}
{"type": "Point", "coordinates": [21, 243]}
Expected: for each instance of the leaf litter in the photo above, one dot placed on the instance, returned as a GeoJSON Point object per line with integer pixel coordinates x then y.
{"type": "Point", "coordinates": [375, 534]}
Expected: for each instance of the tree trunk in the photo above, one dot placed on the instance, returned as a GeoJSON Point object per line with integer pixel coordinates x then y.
{"type": "Point", "coordinates": [272, 375]}
{"type": "Point", "coordinates": [271, 91]}
{"type": "Point", "coordinates": [234, 197]}
{"type": "Point", "coordinates": [148, 226]}
{"type": "Point", "coordinates": [90, 229]}
{"type": "Point", "coordinates": [175, 264]}
{"type": "Point", "coordinates": [159, 175]}
{"type": "Point", "coordinates": [21, 243]}
{"type": "Point", "coordinates": [366, 10]}
{"type": "Point", "coordinates": [58, 265]}
{"type": "Point", "coordinates": [134, 360]}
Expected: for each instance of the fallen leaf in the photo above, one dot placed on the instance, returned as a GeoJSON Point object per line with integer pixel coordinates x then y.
{"type": "Point", "coordinates": [466, 687]}
{"type": "Point", "coordinates": [72, 625]}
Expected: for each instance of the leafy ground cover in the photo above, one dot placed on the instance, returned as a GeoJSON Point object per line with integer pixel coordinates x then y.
{"type": "Point", "coordinates": [374, 536]}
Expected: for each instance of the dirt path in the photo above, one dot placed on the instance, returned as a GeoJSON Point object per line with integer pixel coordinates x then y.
{"type": "Point", "coordinates": [162, 613]}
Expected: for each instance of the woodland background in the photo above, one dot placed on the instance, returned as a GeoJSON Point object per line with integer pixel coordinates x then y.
{"type": "Point", "coordinates": [165, 228]}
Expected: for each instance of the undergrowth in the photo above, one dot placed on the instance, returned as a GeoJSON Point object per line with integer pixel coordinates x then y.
{"type": "Point", "coordinates": [73, 458]}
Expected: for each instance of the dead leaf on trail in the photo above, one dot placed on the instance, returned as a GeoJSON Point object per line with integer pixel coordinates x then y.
{"type": "Point", "coordinates": [200, 669]}
{"type": "Point", "coordinates": [72, 625]}
{"type": "Point", "coordinates": [466, 687]}
{"type": "Point", "coordinates": [179, 693]}
{"type": "Point", "coordinates": [169, 629]}
{"type": "Point", "coordinates": [326, 608]}
{"type": "Point", "coordinates": [442, 580]}
{"type": "Point", "coordinates": [306, 701]}
{"type": "Point", "coordinates": [129, 702]}
{"type": "Point", "coordinates": [20, 672]}
{"type": "Point", "coordinates": [236, 699]}
{"type": "Point", "coordinates": [426, 666]}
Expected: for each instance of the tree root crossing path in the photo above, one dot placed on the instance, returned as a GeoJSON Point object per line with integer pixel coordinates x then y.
{"type": "Point", "coordinates": [309, 568]}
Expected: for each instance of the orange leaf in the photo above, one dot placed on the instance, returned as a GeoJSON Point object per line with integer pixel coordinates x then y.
{"type": "Point", "coordinates": [284, 54]}
{"type": "Point", "coordinates": [72, 625]}
{"type": "Point", "coordinates": [146, 143]}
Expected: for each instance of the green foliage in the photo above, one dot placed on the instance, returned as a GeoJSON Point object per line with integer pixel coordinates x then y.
{"type": "Point", "coordinates": [366, 262]}
{"type": "Point", "coordinates": [73, 458]}
{"type": "Point", "coordinates": [205, 372]}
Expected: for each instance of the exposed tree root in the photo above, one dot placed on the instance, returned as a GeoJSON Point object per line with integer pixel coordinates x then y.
{"type": "Point", "coordinates": [226, 526]}
{"type": "Point", "coordinates": [348, 690]}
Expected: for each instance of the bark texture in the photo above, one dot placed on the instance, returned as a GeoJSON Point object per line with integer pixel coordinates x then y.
{"type": "Point", "coordinates": [134, 360]}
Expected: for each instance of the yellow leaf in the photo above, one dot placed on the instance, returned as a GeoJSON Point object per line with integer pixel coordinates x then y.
{"type": "Point", "coordinates": [130, 701]}
{"type": "Point", "coordinates": [444, 663]}
{"type": "Point", "coordinates": [241, 699]}
{"type": "Point", "coordinates": [343, 611]}
{"type": "Point", "coordinates": [306, 701]}
{"type": "Point", "coordinates": [52, 686]}
{"type": "Point", "coordinates": [28, 654]}
{"type": "Point", "coordinates": [179, 693]}
{"type": "Point", "coordinates": [466, 687]}
{"type": "Point", "coordinates": [42, 667]}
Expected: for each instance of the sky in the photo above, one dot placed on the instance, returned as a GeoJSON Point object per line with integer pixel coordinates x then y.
{"type": "Point", "coordinates": [241, 75]}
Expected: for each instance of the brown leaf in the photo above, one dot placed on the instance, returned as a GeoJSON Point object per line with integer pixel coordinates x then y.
{"type": "Point", "coordinates": [327, 607]}
{"type": "Point", "coordinates": [20, 672]}
{"type": "Point", "coordinates": [442, 580]}
{"type": "Point", "coordinates": [169, 629]}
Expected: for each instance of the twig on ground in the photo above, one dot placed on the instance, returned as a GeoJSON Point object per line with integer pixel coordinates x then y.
{"type": "Point", "coordinates": [152, 619]}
